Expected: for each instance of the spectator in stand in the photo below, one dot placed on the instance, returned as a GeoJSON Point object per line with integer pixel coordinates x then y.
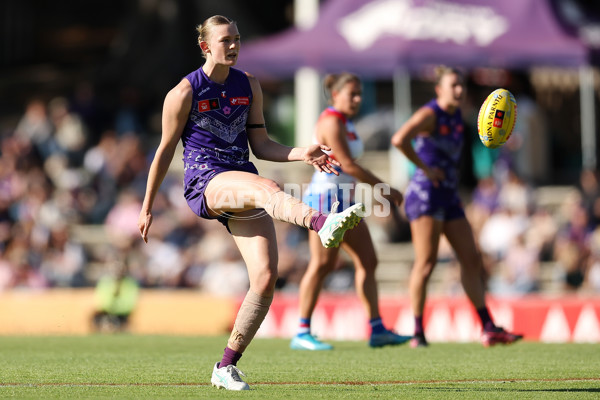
{"type": "Point", "coordinates": [70, 132]}
{"type": "Point", "coordinates": [122, 218]}
{"type": "Point", "coordinates": [102, 186]}
{"type": "Point", "coordinates": [90, 109]}
{"type": "Point", "coordinates": [572, 250]}
{"type": "Point", "coordinates": [483, 204]}
{"type": "Point", "coordinates": [515, 195]}
{"type": "Point", "coordinates": [542, 232]}
{"type": "Point", "coordinates": [225, 275]}
{"type": "Point", "coordinates": [293, 256]}
{"type": "Point", "coordinates": [528, 147]}
{"type": "Point", "coordinates": [36, 128]}
{"type": "Point", "coordinates": [592, 277]}
{"type": "Point", "coordinates": [518, 273]}
{"type": "Point", "coordinates": [590, 195]}
{"type": "Point", "coordinates": [499, 232]}
{"type": "Point", "coordinates": [64, 259]}
{"type": "Point", "coordinates": [16, 264]}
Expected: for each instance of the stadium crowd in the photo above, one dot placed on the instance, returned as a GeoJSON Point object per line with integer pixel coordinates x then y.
{"type": "Point", "coordinates": [60, 171]}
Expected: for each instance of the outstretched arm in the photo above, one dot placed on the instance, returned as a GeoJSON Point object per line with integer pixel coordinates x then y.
{"type": "Point", "coordinates": [332, 132]}
{"type": "Point", "coordinates": [176, 109]}
{"type": "Point", "coordinates": [265, 148]}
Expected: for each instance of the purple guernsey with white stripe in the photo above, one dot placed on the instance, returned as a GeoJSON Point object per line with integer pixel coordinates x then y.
{"type": "Point", "coordinates": [215, 138]}
{"type": "Point", "coordinates": [442, 149]}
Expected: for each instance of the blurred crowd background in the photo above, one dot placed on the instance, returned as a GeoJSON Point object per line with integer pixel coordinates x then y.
{"type": "Point", "coordinates": [82, 85]}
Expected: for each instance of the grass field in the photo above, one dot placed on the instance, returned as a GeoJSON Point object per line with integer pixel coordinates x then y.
{"type": "Point", "coordinates": [124, 366]}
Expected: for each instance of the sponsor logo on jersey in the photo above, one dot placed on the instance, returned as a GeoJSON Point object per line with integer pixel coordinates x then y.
{"type": "Point", "coordinates": [209, 104]}
{"type": "Point", "coordinates": [239, 101]}
{"type": "Point", "coordinates": [444, 129]}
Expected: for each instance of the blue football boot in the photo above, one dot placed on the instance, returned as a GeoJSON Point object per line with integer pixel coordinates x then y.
{"type": "Point", "coordinates": [306, 341]}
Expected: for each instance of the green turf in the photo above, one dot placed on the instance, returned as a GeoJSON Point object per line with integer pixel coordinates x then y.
{"type": "Point", "coordinates": [124, 366]}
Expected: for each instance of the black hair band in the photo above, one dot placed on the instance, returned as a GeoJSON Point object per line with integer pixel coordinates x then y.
{"type": "Point", "coordinates": [255, 126]}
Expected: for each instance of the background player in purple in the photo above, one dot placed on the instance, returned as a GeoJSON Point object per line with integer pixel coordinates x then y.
{"type": "Point", "coordinates": [335, 130]}
{"type": "Point", "coordinates": [216, 111]}
{"type": "Point", "coordinates": [433, 206]}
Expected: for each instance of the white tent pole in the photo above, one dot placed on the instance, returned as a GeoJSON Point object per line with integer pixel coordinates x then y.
{"type": "Point", "coordinates": [588, 117]}
{"type": "Point", "coordinates": [399, 173]}
{"type": "Point", "coordinates": [307, 85]}
{"type": "Point", "coordinates": [307, 82]}
{"type": "Point", "coordinates": [306, 13]}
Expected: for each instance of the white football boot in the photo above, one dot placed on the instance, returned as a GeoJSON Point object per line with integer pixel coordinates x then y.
{"type": "Point", "coordinates": [228, 378]}
{"type": "Point", "coordinates": [336, 224]}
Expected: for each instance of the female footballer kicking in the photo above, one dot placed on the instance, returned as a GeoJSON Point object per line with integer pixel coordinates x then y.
{"type": "Point", "coordinates": [216, 111]}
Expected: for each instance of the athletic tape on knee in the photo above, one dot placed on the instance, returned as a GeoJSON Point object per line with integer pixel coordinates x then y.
{"type": "Point", "coordinates": [252, 312]}
{"type": "Point", "coordinates": [287, 208]}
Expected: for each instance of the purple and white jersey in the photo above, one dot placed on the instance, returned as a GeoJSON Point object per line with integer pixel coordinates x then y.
{"type": "Point", "coordinates": [441, 148]}
{"type": "Point", "coordinates": [215, 134]}
{"type": "Point", "coordinates": [215, 138]}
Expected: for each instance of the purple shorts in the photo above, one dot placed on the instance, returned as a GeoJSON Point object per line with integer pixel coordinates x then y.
{"type": "Point", "coordinates": [196, 179]}
{"type": "Point", "coordinates": [441, 204]}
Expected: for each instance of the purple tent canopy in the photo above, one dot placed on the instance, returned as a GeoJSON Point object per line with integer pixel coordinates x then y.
{"type": "Point", "coordinates": [377, 37]}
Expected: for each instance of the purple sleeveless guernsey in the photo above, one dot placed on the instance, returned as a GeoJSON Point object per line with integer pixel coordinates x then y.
{"type": "Point", "coordinates": [215, 138]}
{"type": "Point", "coordinates": [442, 148]}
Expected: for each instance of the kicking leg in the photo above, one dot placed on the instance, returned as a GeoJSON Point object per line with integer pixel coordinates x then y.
{"type": "Point", "coordinates": [236, 191]}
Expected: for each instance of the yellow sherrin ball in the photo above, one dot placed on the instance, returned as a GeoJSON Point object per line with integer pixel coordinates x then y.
{"type": "Point", "coordinates": [496, 119]}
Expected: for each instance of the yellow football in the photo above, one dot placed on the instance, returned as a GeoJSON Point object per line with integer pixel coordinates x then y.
{"type": "Point", "coordinates": [497, 117]}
